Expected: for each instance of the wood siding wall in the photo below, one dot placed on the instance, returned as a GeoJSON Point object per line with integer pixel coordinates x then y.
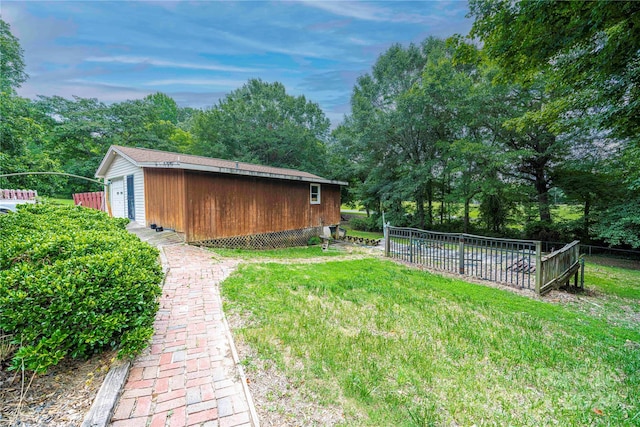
{"type": "Point", "coordinates": [226, 206]}
{"type": "Point", "coordinates": [165, 195]}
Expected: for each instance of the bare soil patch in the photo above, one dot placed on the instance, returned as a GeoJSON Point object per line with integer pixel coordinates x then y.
{"type": "Point", "coordinates": [59, 398]}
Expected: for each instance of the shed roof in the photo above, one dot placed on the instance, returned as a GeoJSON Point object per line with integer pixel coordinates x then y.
{"type": "Point", "coordinates": [147, 158]}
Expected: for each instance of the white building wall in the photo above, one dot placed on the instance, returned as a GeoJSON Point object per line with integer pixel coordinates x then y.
{"type": "Point", "coordinates": [119, 169]}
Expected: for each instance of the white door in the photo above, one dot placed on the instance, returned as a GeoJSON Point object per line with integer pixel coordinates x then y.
{"type": "Point", "coordinates": [117, 198]}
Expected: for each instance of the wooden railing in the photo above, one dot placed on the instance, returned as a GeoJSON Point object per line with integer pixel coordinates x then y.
{"type": "Point", "coordinates": [507, 261]}
{"type": "Point", "coordinates": [517, 263]}
{"type": "Point", "coordinates": [558, 267]}
{"type": "Point", "coordinates": [18, 194]}
{"type": "Point", "coordinates": [93, 200]}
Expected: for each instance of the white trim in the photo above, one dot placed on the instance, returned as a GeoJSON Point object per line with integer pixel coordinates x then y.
{"type": "Point", "coordinates": [314, 202]}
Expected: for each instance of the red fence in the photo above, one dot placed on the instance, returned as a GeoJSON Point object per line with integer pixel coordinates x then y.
{"type": "Point", "coordinates": [93, 200]}
{"type": "Point", "coordinates": [18, 194]}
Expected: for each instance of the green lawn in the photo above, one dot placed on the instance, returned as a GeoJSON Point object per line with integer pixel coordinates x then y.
{"type": "Point", "coordinates": [391, 345]}
{"type": "Point", "coordinates": [616, 281]}
{"type": "Point", "coordinates": [55, 201]}
{"type": "Point", "coordinates": [365, 234]}
{"type": "Point", "coordinates": [286, 253]}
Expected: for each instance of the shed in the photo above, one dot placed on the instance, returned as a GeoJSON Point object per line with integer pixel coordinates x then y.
{"type": "Point", "coordinates": [217, 202]}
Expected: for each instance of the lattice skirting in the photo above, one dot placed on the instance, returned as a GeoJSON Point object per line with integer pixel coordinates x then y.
{"type": "Point", "coordinates": [279, 239]}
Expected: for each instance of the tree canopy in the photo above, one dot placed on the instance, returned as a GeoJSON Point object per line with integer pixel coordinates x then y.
{"type": "Point", "coordinates": [261, 123]}
{"type": "Point", "coordinates": [546, 107]}
{"type": "Point", "coordinates": [591, 47]}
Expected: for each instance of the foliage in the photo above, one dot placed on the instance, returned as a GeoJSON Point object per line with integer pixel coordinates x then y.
{"type": "Point", "coordinates": [620, 223]}
{"type": "Point", "coordinates": [369, 223]}
{"type": "Point", "coordinates": [74, 282]}
{"type": "Point", "coordinates": [591, 47]}
{"type": "Point", "coordinates": [261, 123]}
{"type": "Point", "coordinates": [389, 344]}
{"type": "Point", "coordinates": [12, 73]}
{"type": "Point", "coordinates": [314, 240]}
{"type": "Point", "coordinates": [21, 129]}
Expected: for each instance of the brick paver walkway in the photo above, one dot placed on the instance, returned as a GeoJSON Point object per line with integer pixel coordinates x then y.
{"type": "Point", "coordinates": [188, 377]}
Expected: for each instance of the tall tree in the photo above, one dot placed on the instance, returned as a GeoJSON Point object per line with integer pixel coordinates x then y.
{"type": "Point", "coordinates": [261, 123]}
{"type": "Point", "coordinates": [592, 47]}
{"type": "Point", "coordinates": [21, 129]}
{"type": "Point", "coordinates": [12, 73]}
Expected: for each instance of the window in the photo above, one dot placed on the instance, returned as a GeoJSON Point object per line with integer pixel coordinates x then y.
{"type": "Point", "coordinates": [315, 194]}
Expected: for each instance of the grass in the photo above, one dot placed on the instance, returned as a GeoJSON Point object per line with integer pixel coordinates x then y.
{"type": "Point", "coordinates": [57, 201]}
{"type": "Point", "coordinates": [365, 234]}
{"type": "Point", "coordinates": [621, 282]}
{"type": "Point", "coordinates": [396, 346]}
{"type": "Point", "coordinates": [562, 212]}
{"type": "Point", "coordinates": [286, 253]}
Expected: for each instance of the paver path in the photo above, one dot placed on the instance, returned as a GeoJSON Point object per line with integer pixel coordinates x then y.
{"type": "Point", "coordinates": [189, 375]}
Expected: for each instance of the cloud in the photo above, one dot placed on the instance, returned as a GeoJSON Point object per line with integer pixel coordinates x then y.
{"type": "Point", "coordinates": [368, 12]}
{"type": "Point", "coordinates": [140, 60]}
{"type": "Point", "coordinates": [334, 80]}
{"type": "Point", "coordinates": [199, 51]}
{"type": "Point", "coordinates": [309, 49]}
{"type": "Point", "coordinates": [196, 82]}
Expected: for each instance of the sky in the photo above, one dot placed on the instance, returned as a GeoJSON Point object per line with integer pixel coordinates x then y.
{"type": "Point", "coordinates": [199, 51]}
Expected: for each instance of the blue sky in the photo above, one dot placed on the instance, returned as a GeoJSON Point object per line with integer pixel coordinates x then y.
{"type": "Point", "coordinates": [198, 51]}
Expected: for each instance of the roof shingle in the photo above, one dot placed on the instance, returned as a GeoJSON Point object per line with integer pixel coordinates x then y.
{"type": "Point", "coordinates": [144, 157]}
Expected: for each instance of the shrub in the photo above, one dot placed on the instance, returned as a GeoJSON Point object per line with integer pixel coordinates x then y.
{"type": "Point", "coordinates": [74, 282]}
{"type": "Point", "coordinates": [369, 223]}
{"type": "Point", "coordinates": [314, 240]}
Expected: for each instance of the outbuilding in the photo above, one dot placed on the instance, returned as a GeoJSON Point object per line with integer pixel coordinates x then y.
{"type": "Point", "coordinates": [217, 202]}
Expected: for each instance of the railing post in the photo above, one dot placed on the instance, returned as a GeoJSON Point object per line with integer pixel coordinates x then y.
{"type": "Point", "coordinates": [538, 267]}
{"type": "Point", "coordinates": [461, 248]}
{"type": "Point", "coordinates": [411, 246]}
{"type": "Point", "coordinates": [387, 240]}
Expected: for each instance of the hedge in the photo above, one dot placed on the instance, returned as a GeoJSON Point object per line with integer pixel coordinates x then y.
{"type": "Point", "coordinates": [74, 282]}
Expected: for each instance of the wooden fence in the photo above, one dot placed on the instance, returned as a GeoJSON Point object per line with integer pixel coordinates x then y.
{"type": "Point", "coordinates": [94, 200]}
{"type": "Point", "coordinates": [18, 194]}
{"type": "Point", "coordinates": [559, 266]}
{"type": "Point", "coordinates": [517, 263]}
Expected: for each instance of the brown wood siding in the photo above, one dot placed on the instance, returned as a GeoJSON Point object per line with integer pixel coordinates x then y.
{"type": "Point", "coordinates": [164, 196]}
{"type": "Point", "coordinates": [224, 206]}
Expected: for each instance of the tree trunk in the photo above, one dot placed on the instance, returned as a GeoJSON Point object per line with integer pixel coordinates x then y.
{"type": "Point", "coordinates": [542, 188]}
{"type": "Point", "coordinates": [420, 208]}
{"type": "Point", "coordinates": [430, 205]}
{"type": "Point", "coordinates": [587, 209]}
{"type": "Point", "coordinates": [467, 202]}
{"type": "Point", "coordinates": [443, 194]}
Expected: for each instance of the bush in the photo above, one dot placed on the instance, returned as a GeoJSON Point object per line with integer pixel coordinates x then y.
{"type": "Point", "coordinates": [314, 240]}
{"type": "Point", "coordinates": [74, 282]}
{"type": "Point", "coordinates": [368, 223]}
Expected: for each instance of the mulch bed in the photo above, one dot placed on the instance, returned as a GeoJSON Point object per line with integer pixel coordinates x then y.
{"type": "Point", "coordinates": [61, 397]}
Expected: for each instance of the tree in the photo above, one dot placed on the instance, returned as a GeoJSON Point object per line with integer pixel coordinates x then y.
{"type": "Point", "coordinates": [591, 47]}
{"type": "Point", "coordinates": [12, 73]}
{"type": "Point", "coordinates": [261, 123]}
{"type": "Point", "coordinates": [78, 134]}
{"type": "Point", "coordinates": [21, 129]}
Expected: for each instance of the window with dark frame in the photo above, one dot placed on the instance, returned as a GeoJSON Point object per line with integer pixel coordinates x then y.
{"type": "Point", "coordinates": [315, 194]}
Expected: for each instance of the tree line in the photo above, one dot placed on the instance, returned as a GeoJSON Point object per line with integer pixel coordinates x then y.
{"type": "Point", "coordinates": [540, 110]}
{"type": "Point", "coordinates": [257, 123]}
{"type": "Point", "coordinates": [502, 121]}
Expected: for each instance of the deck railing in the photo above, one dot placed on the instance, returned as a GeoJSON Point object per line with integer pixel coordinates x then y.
{"type": "Point", "coordinates": [517, 263]}
{"type": "Point", "coordinates": [18, 194]}
{"type": "Point", "coordinates": [558, 267]}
